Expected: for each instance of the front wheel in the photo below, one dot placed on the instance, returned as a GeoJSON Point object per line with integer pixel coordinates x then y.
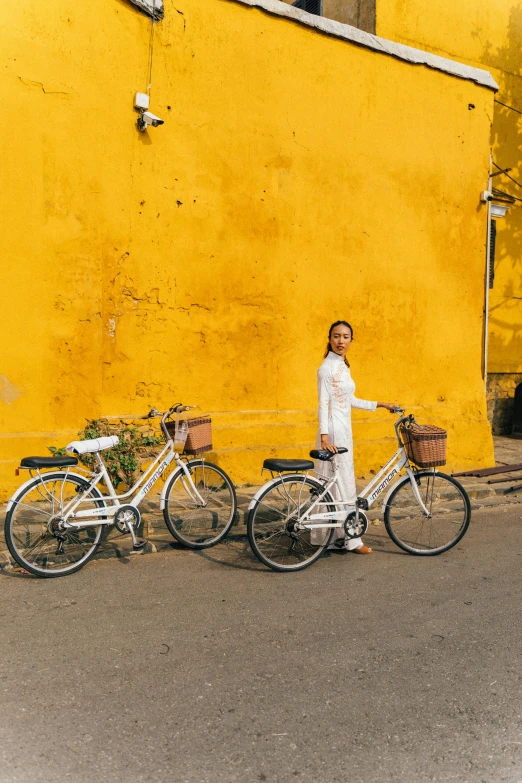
{"type": "Point", "coordinates": [193, 524]}
{"type": "Point", "coordinates": [449, 514]}
{"type": "Point", "coordinates": [274, 529]}
{"type": "Point", "coordinates": [34, 532]}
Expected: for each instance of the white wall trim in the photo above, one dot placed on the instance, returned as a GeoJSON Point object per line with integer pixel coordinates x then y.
{"type": "Point", "coordinates": [354, 35]}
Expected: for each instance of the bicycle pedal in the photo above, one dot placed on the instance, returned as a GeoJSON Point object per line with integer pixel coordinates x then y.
{"type": "Point", "coordinates": [139, 545]}
{"type": "Point", "coordinates": [341, 543]}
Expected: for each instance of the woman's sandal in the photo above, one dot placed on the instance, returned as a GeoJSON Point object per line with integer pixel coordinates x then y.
{"type": "Point", "coordinates": [363, 550]}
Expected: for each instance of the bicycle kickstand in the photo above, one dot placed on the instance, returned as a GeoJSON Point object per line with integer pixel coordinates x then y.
{"type": "Point", "coordinates": [137, 543]}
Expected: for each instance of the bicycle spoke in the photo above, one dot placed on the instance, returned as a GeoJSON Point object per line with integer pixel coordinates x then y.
{"type": "Point", "coordinates": [192, 523]}
{"type": "Point", "coordinates": [32, 547]}
{"type": "Point", "coordinates": [34, 531]}
{"type": "Point", "coordinates": [448, 508]}
{"type": "Point", "coordinates": [272, 520]}
{"type": "Point", "coordinates": [35, 510]}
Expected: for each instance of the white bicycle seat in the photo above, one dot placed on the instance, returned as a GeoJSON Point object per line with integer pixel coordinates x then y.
{"type": "Point", "coordinates": [91, 446]}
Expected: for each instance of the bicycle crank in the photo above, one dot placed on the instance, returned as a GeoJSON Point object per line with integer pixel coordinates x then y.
{"type": "Point", "coordinates": [125, 516]}
{"type": "Point", "coordinates": [355, 524]}
{"type": "Point", "coordinates": [126, 520]}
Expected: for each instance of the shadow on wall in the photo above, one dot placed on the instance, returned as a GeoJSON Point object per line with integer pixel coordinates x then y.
{"type": "Point", "coordinates": [505, 311]}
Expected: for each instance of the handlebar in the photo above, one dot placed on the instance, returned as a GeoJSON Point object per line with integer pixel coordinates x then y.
{"type": "Point", "coordinates": [407, 420]}
{"type": "Point", "coordinates": [178, 408]}
{"type": "Point", "coordinates": [151, 414]}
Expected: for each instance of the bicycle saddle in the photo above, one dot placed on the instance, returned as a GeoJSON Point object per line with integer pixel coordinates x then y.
{"type": "Point", "coordinates": [293, 465]}
{"type": "Point", "coordinates": [48, 462]}
{"type": "Point", "coordinates": [325, 455]}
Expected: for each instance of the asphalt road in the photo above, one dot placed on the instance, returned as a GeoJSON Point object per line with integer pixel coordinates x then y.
{"type": "Point", "coordinates": [193, 667]}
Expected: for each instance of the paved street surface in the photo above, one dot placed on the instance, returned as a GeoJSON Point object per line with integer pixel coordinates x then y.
{"type": "Point", "coordinates": [195, 667]}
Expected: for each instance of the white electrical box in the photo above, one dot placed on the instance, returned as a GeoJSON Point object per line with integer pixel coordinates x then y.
{"type": "Point", "coordinates": [141, 101]}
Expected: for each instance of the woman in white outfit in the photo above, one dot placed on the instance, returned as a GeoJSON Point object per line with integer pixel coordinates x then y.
{"type": "Point", "coordinates": [336, 400]}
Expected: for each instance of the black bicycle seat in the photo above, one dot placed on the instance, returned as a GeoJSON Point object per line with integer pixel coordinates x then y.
{"type": "Point", "coordinates": [47, 462]}
{"type": "Point", "coordinates": [324, 455]}
{"type": "Point", "coordinates": [292, 465]}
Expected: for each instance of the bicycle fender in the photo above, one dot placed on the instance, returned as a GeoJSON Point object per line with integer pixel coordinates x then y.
{"type": "Point", "coordinates": [172, 477]}
{"type": "Point", "coordinates": [255, 498]}
{"type": "Point", "coordinates": [14, 497]}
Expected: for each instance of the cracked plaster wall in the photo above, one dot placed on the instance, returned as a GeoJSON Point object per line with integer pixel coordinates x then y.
{"type": "Point", "coordinates": [204, 260]}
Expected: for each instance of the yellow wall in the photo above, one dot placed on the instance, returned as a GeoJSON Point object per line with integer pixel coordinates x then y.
{"type": "Point", "coordinates": [204, 261]}
{"type": "Point", "coordinates": [487, 35]}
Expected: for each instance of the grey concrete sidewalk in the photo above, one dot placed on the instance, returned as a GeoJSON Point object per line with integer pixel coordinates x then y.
{"type": "Point", "coordinates": [507, 451]}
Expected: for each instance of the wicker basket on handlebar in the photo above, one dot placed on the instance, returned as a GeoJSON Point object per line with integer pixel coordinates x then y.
{"type": "Point", "coordinates": [425, 444]}
{"type": "Point", "coordinates": [199, 436]}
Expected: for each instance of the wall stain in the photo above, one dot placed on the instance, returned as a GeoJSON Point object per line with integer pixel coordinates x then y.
{"type": "Point", "coordinates": [8, 391]}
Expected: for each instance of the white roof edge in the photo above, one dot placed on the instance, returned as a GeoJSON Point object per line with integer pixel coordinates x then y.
{"type": "Point", "coordinates": [354, 35]}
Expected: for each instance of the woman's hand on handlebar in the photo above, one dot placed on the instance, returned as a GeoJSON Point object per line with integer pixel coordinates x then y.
{"type": "Point", "coordinates": [326, 445]}
{"type": "Point", "coordinates": [393, 407]}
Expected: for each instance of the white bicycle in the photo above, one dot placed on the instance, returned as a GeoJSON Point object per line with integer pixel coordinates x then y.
{"type": "Point", "coordinates": [292, 517]}
{"type": "Point", "coordinates": [54, 521]}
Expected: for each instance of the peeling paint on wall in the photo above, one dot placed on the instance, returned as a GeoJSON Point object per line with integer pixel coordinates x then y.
{"type": "Point", "coordinates": [8, 391]}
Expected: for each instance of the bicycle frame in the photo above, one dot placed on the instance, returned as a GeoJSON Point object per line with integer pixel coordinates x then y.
{"type": "Point", "coordinates": [369, 494]}
{"type": "Point", "coordinates": [149, 478]}
{"type": "Point", "coordinates": [92, 517]}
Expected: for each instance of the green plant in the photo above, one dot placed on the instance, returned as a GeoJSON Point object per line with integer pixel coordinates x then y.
{"type": "Point", "coordinates": [124, 461]}
{"type": "Point", "coordinates": [57, 451]}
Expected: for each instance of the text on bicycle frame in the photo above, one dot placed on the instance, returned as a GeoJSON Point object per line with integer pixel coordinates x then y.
{"type": "Point", "coordinates": [155, 475]}
{"type": "Point", "coordinates": [384, 483]}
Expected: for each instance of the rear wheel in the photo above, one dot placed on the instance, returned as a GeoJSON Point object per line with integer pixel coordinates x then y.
{"type": "Point", "coordinates": [195, 525]}
{"type": "Point", "coordinates": [34, 532]}
{"type": "Point", "coordinates": [273, 530]}
{"type": "Point", "coordinates": [449, 514]}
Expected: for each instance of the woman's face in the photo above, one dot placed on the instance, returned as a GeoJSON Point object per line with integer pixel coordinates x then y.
{"type": "Point", "coordinates": [340, 339]}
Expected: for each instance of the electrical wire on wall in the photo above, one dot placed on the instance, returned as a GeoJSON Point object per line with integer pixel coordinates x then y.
{"type": "Point", "coordinates": [508, 106]}
{"type": "Point", "coordinates": [146, 118]}
{"type": "Point", "coordinates": [504, 172]}
{"type": "Point", "coordinates": [151, 49]}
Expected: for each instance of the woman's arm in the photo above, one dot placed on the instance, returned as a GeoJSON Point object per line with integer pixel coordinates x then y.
{"type": "Point", "coordinates": [323, 388]}
{"type": "Point", "coordinates": [367, 405]}
{"type": "Point", "coordinates": [371, 406]}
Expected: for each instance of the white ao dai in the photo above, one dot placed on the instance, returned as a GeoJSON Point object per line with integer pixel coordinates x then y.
{"type": "Point", "coordinates": [336, 400]}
